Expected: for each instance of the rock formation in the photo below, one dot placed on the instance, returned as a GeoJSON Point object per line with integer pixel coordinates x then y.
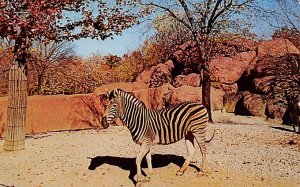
{"type": "Point", "coordinates": [162, 74]}
{"type": "Point", "coordinates": [145, 76]}
{"type": "Point", "coordinates": [192, 79]}
{"type": "Point", "coordinates": [228, 70]}
{"type": "Point", "coordinates": [254, 78]}
{"type": "Point", "coordinates": [276, 48]}
{"type": "Point", "coordinates": [189, 93]}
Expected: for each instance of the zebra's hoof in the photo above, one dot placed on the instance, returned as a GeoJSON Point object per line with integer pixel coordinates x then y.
{"type": "Point", "coordinates": [138, 184]}
{"type": "Point", "coordinates": [138, 181]}
{"type": "Point", "coordinates": [150, 174]}
{"type": "Point", "coordinates": [201, 174]}
{"type": "Point", "coordinates": [179, 173]}
{"type": "Point", "coordinates": [146, 179]}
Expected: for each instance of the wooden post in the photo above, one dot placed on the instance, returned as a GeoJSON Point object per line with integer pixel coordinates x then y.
{"type": "Point", "coordinates": [16, 111]}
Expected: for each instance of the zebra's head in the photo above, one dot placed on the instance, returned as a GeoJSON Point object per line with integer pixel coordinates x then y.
{"type": "Point", "coordinates": [113, 109]}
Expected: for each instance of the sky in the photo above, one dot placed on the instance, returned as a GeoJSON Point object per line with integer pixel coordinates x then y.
{"type": "Point", "coordinates": [132, 38]}
{"type": "Point", "coordinates": [129, 40]}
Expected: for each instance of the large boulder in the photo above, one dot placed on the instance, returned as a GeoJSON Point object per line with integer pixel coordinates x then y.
{"type": "Point", "coordinates": [184, 94]}
{"type": "Point", "coordinates": [276, 78]}
{"type": "Point", "coordinates": [230, 100]}
{"type": "Point", "coordinates": [192, 79]}
{"type": "Point", "coordinates": [254, 104]}
{"type": "Point", "coordinates": [276, 48]}
{"type": "Point", "coordinates": [282, 86]}
{"type": "Point", "coordinates": [145, 76]}
{"type": "Point", "coordinates": [275, 108]}
{"type": "Point", "coordinates": [249, 104]}
{"type": "Point", "coordinates": [228, 70]}
{"type": "Point", "coordinates": [268, 66]}
{"type": "Point", "coordinates": [216, 97]}
{"type": "Point", "coordinates": [157, 75]}
{"type": "Point", "coordinates": [189, 93]}
{"type": "Point", "coordinates": [263, 85]}
{"type": "Point", "coordinates": [229, 88]}
{"type": "Point", "coordinates": [162, 74]}
{"type": "Point", "coordinates": [276, 90]}
{"type": "Point", "coordinates": [154, 98]}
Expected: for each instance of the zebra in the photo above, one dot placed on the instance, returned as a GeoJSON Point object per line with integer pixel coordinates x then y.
{"type": "Point", "coordinates": [149, 127]}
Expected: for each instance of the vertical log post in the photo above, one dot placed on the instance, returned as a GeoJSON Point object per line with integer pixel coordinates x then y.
{"type": "Point", "coordinates": [16, 111]}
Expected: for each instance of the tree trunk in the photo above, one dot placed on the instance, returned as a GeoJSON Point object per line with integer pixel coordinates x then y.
{"type": "Point", "coordinates": [203, 65]}
{"type": "Point", "coordinates": [39, 86]}
{"type": "Point", "coordinates": [17, 97]}
{"type": "Point", "coordinates": [206, 84]}
{"type": "Point", "coordinates": [16, 112]}
{"type": "Point", "coordinates": [20, 50]}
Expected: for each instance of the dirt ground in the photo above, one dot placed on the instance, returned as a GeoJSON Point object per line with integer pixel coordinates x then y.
{"type": "Point", "coordinates": [245, 151]}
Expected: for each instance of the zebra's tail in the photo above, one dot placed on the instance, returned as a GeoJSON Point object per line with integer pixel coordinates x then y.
{"type": "Point", "coordinates": [207, 141]}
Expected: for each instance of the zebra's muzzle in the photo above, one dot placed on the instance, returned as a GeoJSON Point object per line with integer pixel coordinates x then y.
{"type": "Point", "coordinates": [105, 124]}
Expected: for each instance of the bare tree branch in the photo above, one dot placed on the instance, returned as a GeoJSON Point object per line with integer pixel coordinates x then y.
{"type": "Point", "coordinates": [188, 14]}
{"type": "Point", "coordinates": [173, 14]}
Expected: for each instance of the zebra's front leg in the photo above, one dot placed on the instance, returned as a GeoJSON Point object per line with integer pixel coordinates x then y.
{"type": "Point", "coordinates": [145, 148]}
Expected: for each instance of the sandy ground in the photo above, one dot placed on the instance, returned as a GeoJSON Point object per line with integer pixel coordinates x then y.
{"type": "Point", "coordinates": [246, 151]}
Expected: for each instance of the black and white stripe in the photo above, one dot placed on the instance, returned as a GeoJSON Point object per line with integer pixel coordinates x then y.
{"type": "Point", "coordinates": [166, 126]}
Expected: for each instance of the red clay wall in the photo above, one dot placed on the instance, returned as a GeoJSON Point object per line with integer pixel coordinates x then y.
{"type": "Point", "coordinates": [56, 113]}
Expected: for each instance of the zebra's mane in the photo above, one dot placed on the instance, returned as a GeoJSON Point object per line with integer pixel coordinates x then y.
{"type": "Point", "coordinates": [132, 98]}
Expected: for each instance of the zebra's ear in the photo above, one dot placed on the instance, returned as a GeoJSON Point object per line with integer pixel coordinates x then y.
{"type": "Point", "coordinates": [110, 95]}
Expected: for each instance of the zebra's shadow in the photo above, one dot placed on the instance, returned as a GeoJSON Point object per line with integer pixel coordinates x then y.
{"type": "Point", "coordinates": [158, 161]}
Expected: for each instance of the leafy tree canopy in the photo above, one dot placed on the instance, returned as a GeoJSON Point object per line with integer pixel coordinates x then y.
{"type": "Point", "coordinates": [25, 21]}
{"type": "Point", "coordinates": [51, 20]}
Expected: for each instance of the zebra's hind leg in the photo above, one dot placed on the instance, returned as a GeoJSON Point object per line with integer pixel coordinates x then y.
{"type": "Point", "coordinates": [149, 163]}
{"type": "Point", "coordinates": [145, 149]}
{"type": "Point", "coordinates": [200, 138]}
{"type": "Point", "coordinates": [189, 141]}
